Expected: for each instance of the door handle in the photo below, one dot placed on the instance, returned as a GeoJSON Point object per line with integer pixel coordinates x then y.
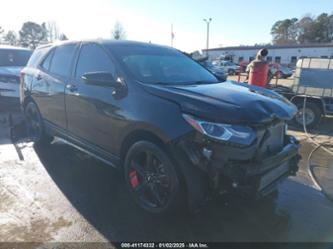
{"type": "Point", "coordinates": [71, 87]}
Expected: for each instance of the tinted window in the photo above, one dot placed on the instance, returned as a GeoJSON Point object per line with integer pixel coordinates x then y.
{"type": "Point", "coordinates": [14, 58]}
{"type": "Point", "coordinates": [93, 59]}
{"type": "Point", "coordinates": [47, 61]}
{"type": "Point", "coordinates": [149, 64]}
{"type": "Point", "coordinates": [62, 59]}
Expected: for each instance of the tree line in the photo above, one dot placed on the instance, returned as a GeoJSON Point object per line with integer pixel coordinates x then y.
{"type": "Point", "coordinates": [32, 34]}
{"type": "Point", "coordinates": [305, 30]}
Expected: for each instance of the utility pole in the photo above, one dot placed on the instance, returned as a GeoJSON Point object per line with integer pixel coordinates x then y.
{"type": "Point", "coordinates": [207, 21]}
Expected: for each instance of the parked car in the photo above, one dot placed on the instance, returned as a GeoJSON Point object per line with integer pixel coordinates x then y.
{"type": "Point", "coordinates": [12, 61]}
{"type": "Point", "coordinates": [176, 132]}
{"type": "Point", "coordinates": [217, 71]}
{"type": "Point", "coordinates": [228, 66]}
{"type": "Point", "coordinates": [283, 71]}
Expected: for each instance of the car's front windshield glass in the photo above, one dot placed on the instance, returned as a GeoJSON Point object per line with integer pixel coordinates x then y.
{"type": "Point", "coordinates": [156, 65]}
{"type": "Point", "coordinates": [14, 58]}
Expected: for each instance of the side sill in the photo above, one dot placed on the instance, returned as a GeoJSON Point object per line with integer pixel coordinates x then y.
{"type": "Point", "coordinates": [84, 146]}
{"type": "Point", "coordinates": [85, 151]}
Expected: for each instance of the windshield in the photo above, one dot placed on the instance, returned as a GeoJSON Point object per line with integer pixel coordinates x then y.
{"type": "Point", "coordinates": [156, 65]}
{"type": "Point", "coordinates": [14, 58]}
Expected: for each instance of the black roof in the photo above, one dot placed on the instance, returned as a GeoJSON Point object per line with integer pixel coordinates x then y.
{"type": "Point", "coordinates": [313, 45]}
{"type": "Point", "coordinates": [107, 42]}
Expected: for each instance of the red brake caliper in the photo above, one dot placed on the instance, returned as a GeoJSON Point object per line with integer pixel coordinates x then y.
{"type": "Point", "coordinates": [134, 178]}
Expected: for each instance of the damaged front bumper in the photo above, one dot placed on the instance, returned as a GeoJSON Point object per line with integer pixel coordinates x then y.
{"type": "Point", "coordinates": [260, 177]}
{"type": "Point", "coordinates": [252, 171]}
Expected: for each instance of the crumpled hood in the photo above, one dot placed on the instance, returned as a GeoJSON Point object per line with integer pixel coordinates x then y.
{"type": "Point", "coordinates": [228, 102]}
{"type": "Point", "coordinates": [11, 70]}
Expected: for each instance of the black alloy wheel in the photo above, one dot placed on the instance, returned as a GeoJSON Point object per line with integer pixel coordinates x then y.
{"type": "Point", "coordinates": [151, 178]}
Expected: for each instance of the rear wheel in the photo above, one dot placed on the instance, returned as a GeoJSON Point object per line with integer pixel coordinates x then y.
{"type": "Point", "coordinates": [151, 178]}
{"type": "Point", "coordinates": [312, 114]}
{"type": "Point", "coordinates": [35, 124]}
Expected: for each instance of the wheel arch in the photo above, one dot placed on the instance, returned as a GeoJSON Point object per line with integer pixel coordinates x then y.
{"type": "Point", "coordinates": [139, 135]}
{"type": "Point", "coordinates": [190, 178]}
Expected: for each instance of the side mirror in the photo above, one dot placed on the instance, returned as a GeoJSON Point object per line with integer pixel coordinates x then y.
{"type": "Point", "coordinates": [105, 79]}
{"type": "Point", "coordinates": [219, 77]}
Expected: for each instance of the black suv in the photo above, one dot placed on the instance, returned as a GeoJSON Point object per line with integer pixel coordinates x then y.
{"type": "Point", "coordinates": [176, 132]}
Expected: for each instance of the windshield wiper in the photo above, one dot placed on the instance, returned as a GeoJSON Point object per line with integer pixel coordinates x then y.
{"type": "Point", "coordinates": [202, 82]}
{"type": "Point", "coordinates": [184, 83]}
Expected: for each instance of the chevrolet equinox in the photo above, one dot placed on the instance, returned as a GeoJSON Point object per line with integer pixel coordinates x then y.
{"type": "Point", "coordinates": [176, 132]}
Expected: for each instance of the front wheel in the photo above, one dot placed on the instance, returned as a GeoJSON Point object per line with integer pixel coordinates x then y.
{"type": "Point", "coordinates": [151, 178]}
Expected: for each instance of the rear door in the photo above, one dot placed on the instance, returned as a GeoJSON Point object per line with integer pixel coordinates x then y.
{"type": "Point", "coordinates": [49, 87]}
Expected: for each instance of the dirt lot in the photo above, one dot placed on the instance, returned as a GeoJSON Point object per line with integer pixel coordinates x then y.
{"type": "Point", "coordinates": [57, 193]}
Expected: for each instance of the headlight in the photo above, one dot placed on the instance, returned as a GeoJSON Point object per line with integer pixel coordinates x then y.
{"type": "Point", "coordinates": [237, 134]}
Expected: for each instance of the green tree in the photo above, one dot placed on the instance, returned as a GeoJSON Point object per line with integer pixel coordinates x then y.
{"type": "Point", "coordinates": [32, 34]}
{"type": "Point", "coordinates": [322, 28]}
{"type": "Point", "coordinates": [63, 37]}
{"type": "Point", "coordinates": [330, 27]}
{"type": "Point", "coordinates": [118, 32]}
{"type": "Point", "coordinates": [305, 28]}
{"type": "Point", "coordinates": [285, 31]}
{"type": "Point", "coordinates": [10, 37]}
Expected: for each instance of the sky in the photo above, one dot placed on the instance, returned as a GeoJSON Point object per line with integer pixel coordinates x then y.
{"type": "Point", "coordinates": [234, 22]}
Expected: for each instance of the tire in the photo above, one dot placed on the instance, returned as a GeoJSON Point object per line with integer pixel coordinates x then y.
{"type": "Point", "coordinates": [152, 179]}
{"type": "Point", "coordinates": [35, 125]}
{"type": "Point", "coordinates": [231, 72]}
{"type": "Point", "coordinates": [313, 111]}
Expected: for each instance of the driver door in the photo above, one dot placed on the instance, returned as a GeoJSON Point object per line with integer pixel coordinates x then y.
{"type": "Point", "coordinates": [90, 108]}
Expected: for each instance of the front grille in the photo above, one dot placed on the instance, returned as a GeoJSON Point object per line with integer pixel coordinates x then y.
{"type": "Point", "coordinates": [272, 139]}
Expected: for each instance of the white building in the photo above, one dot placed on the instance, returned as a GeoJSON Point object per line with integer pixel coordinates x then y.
{"type": "Point", "coordinates": [284, 54]}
